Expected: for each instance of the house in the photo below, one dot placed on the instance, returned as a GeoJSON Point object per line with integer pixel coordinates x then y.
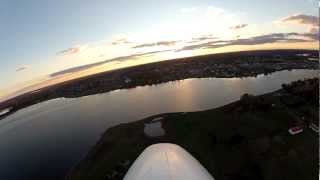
{"type": "Point", "coordinates": [295, 130]}
{"type": "Point", "coordinates": [5, 111]}
{"type": "Point", "coordinates": [127, 80]}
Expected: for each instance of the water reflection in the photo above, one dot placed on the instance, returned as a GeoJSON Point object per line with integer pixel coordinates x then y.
{"type": "Point", "coordinates": [46, 139]}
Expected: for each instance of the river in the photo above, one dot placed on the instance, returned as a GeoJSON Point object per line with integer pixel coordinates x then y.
{"type": "Point", "coordinates": [45, 140]}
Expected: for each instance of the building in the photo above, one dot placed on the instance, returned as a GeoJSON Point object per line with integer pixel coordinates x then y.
{"type": "Point", "coordinates": [127, 80]}
{"type": "Point", "coordinates": [295, 130]}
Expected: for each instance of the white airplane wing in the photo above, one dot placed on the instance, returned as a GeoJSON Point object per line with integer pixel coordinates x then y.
{"type": "Point", "coordinates": [166, 162]}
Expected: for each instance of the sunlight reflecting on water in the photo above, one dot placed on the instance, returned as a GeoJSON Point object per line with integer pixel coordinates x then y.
{"type": "Point", "coordinates": [46, 139]}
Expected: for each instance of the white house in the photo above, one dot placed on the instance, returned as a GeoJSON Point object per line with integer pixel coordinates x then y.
{"type": "Point", "coordinates": [127, 80]}
{"type": "Point", "coordinates": [295, 130]}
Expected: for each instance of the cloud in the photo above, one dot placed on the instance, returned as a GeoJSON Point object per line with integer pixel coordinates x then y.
{"type": "Point", "coordinates": [211, 44]}
{"type": "Point", "coordinates": [73, 50]}
{"type": "Point", "coordinates": [314, 30]}
{"type": "Point", "coordinates": [120, 41]}
{"type": "Point", "coordinates": [22, 68]}
{"type": "Point", "coordinates": [270, 38]}
{"type": "Point", "coordinates": [301, 19]}
{"type": "Point", "coordinates": [240, 26]}
{"type": "Point", "coordinates": [69, 51]}
{"type": "Point", "coordinates": [312, 36]}
{"type": "Point", "coordinates": [203, 38]}
{"type": "Point", "coordinates": [257, 40]}
{"type": "Point", "coordinates": [116, 59]}
{"type": "Point", "coordinates": [159, 43]}
{"type": "Point", "coordinates": [213, 11]}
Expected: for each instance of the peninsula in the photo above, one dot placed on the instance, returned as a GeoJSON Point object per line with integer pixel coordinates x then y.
{"type": "Point", "coordinates": [249, 139]}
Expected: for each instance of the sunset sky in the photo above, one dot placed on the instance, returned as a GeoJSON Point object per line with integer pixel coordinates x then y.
{"type": "Point", "coordinates": [45, 41]}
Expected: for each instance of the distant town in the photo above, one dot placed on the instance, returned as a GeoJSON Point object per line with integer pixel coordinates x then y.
{"type": "Point", "coordinates": [226, 65]}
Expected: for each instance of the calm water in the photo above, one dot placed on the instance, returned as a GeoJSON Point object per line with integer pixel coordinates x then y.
{"type": "Point", "coordinates": [43, 141]}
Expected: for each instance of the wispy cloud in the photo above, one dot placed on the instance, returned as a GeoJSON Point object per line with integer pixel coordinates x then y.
{"type": "Point", "coordinates": [69, 51]}
{"type": "Point", "coordinates": [72, 50]}
{"type": "Point", "coordinates": [120, 41]}
{"type": "Point", "coordinates": [159, 43]}
{"type": "Point", "coordinates": [116, 59]}
{"type": "Point", "coordinates": [256, 40]}
{"type": "Point", "coordinates": [203, 38]}
{"type": "Point", "coordinates": [240, 26]}
{"type": "Point", "coordinates": [214, 28]}
{"type": "Point", "coordinates": [22, 68]}
{"type": "Point", "coordinates": [302, 19]}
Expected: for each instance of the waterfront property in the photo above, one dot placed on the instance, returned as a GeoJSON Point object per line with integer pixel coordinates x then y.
{"type": "Point", "coordinates": [295, 130]}
{"type": "Point", "coordinates": [5, 111]}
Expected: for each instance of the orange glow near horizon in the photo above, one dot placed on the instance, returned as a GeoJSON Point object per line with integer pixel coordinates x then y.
{"type": "Point", "coordinates": [33, 85]}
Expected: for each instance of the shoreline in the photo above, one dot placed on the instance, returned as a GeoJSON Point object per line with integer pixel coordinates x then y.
{"type": "Point", "coordinates": [233, 141]}
{"type": "Point", "coordinates": [226, 65]}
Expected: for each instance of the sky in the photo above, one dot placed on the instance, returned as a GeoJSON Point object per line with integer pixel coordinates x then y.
{"type": "Point", "coordinates": [43, 42]}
